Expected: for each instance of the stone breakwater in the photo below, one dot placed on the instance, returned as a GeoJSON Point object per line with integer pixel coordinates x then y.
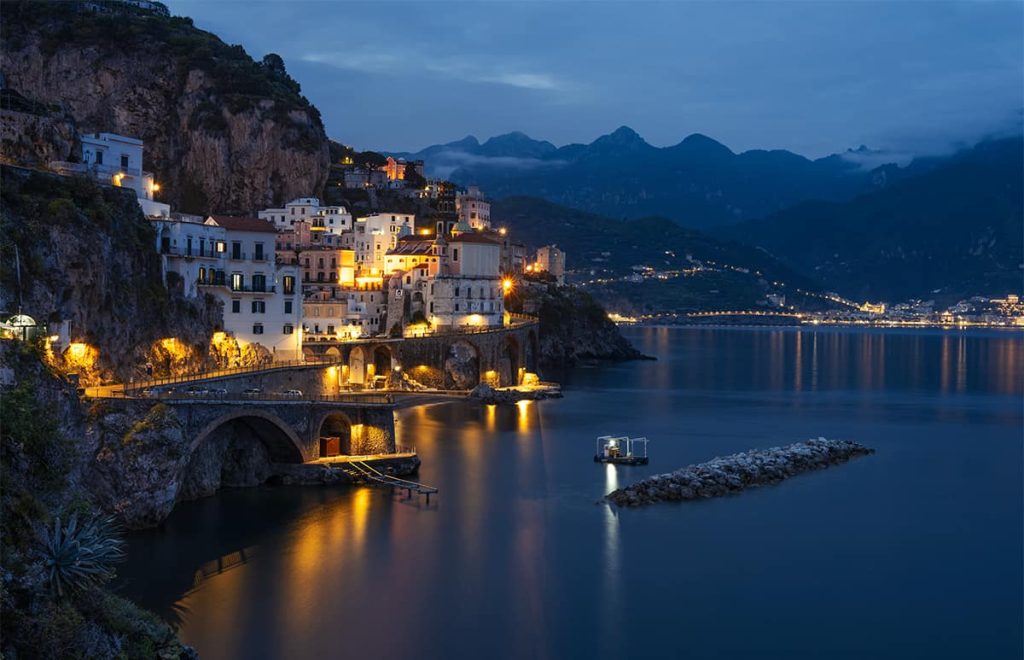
{"type": "Point", "coordinates": [731, 474]}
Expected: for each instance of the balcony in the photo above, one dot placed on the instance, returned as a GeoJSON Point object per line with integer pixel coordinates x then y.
{"type": "Point", "coordinates": [242, 289]}
{"type": "Point", "coordinates": [185, 254]}
{"type": "Point", "coordinates": [249, 288]}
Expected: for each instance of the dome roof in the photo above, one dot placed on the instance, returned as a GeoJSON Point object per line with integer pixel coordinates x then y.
{"type": "Point", "coordinates": [22, 321]}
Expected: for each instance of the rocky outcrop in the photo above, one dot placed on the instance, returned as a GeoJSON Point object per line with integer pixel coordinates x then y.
{"type": "Point", "coordinates": [222, 131]}
{"type": "Point", "coordinates": [574, 327]}
{"type": "Point", "coordinates": [34, 134]}
{"type": "Point", "coordinates": [46, 456]}
{"type": "Point", "coordinates": [732, 474]}
{"type": "Point", "coordinates": [510, 395]}
{"type": "Point", "coordinates": [462, 366]}
{"type": "Point", "coordinates": [89, 256]}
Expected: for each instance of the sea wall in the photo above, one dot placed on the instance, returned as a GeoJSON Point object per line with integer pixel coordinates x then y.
{"type": "Point", "coordinates": [732, 474]}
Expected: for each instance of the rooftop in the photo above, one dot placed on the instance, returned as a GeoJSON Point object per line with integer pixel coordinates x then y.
{"type": "Point", "coordinates": [237, 223]}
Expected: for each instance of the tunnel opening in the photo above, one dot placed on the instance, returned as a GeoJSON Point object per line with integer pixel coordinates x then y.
{"type": "Point", "coordinates": [508, 362]}
{"type": "Point", "coordinates": [335, 435]}
{"type": "Point", "coordinates": [381, 367]}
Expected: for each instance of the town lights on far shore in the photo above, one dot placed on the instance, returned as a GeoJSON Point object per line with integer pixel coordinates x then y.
{"type": "Point", "coordinates": [502, 231]}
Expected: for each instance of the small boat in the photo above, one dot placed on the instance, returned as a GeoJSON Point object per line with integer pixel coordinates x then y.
{"type": "Point", "coordinates": [620, 450]}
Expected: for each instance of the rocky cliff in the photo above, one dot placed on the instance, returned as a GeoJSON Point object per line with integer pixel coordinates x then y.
{"type": "Point", "coordinates": [45, 460]}
{"type": "Point", "coordinates": [573, 326]}
{"type": "Point", "coordinates": [222, 131]}
{"type": "Point", "coordinates": [88, 255]}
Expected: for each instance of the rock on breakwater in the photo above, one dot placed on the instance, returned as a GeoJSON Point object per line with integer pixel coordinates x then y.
{"type": "Point", "coordinates": [731, 474]}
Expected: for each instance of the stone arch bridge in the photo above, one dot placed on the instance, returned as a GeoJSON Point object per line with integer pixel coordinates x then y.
{"type": "Point", "coordinates": [290, 430]}
{"type": "Point", "coordinates": [460, 360]}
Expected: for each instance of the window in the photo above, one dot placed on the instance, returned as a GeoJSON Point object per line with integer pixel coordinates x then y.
{"type": "Point", "coordinates": [288, 328]}
{"type": "Point", "coordinates": [236, 250]}
{"type": "Point", "coordinates": [99, 157]}
{"type": "Point", "coordinates": [259, 307]}
{"type": "Point", "coordinates": [202, 274]}
{"type": "Point", "coordinates": [287, 307]}
{"type": "Point", "coordinates": [221, 247]}
{"type": "Point", "coordinates": [455, 254]}
{"type": "Point", "coordinates": [237, 281]}
{"type": "Point", "coordinates": [257, 328]}
{"type": "Point", "coordinates": [124, 161]}
{"type": "Point", "coordinates": [330, 329]}
{"type": "Point", "coordinates": [236, 306]}
{"type": "Point", "coordinates": [259, 252]}
{"type": "Point", "coordinates": [259, 282]}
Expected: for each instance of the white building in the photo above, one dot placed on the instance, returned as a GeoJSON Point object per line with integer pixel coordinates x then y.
{"type": "Point", "coordinates": [191, 249]}
{"type": "Point", "coordinates": [551, 259]}
{"type": "Point", "coordinates": [262, 299]}
{"type": "Point", "coordinates": [374, 235]}
{"type": "Point", "coordinates": [473, 208]}
{"type": "Point", "coordinates": [117, 160]}
{"type": "Point", "coordinates": [467, 290]}
{"type": "Point", "coordinates": [334, 219]}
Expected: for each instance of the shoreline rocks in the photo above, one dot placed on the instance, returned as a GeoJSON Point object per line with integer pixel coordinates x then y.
{"type": "Point", "coordinates": [508, 396]}
{"type": "Point", "coordinates": [737, 472]}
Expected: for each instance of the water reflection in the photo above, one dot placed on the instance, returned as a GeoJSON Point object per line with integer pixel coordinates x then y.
{"type": "Point", "coordinates": [612, 567]}
{"type": "Point", "coordinates": [781, 360]}
{"type": "Point", "coordinates": [515, 556]}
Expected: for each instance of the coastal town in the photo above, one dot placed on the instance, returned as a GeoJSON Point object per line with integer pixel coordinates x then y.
{"type": "Point", "coordinates": [294, 281]}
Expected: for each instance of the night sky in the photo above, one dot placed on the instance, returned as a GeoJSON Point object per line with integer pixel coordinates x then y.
{"type": "Point", "coordinates": [910, 77]}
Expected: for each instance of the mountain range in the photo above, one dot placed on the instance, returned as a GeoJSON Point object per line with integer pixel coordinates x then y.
{"type": "Point", "coordinates": [698, 182]}
{"type": "Point", "coordinates": [956, 229]}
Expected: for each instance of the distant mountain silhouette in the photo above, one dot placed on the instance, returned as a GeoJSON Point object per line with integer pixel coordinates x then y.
{"type": "Point", "coordinates": [591, 240]}
{"type": "Point", "coordinates": [955, 225]}
{"type": "Point", "coordinates": [698, 182]}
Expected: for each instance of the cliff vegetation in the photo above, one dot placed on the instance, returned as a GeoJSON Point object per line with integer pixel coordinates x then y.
{"type": "Point", "coordinates": [222, 131]}
{"type": "Point", "coordinates": [57, 552]}
{"type": "Point", "coordinates": [87, 254]}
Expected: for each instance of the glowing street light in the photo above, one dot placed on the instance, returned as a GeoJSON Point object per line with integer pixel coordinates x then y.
{"type": "Point", "coordinates": [506, 285]}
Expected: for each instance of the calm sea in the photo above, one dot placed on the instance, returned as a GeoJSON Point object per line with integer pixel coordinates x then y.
{"type": "Point", "coordinates": [915, 552]}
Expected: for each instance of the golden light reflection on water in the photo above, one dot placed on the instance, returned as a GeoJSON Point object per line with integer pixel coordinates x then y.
{"type": "Point", "coordinates": [492, 416]}
{"type": "Point", "coordinates": [523, 419]}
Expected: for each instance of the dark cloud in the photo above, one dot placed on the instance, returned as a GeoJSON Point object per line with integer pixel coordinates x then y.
{"type": "Point", "coordinates": [814, 77]}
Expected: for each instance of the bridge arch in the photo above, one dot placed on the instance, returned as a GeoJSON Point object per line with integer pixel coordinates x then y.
{"type": "Point", "coordinates": [333, 353]}
{"type": "Point", "coordinates": [462, 366]}
{"type": "Point", "coordinates": [357, 365]}
{"type": "Point", "coordinates": [508, 361]}
{"type": "Point", "coordinates": [277, 437]}
{"type": "Point", "coordinates": [336, 424]}
{"type": "Point", "coordinates": [382, 362]}
{"type": "Point", "coordinates": [531, 352]}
